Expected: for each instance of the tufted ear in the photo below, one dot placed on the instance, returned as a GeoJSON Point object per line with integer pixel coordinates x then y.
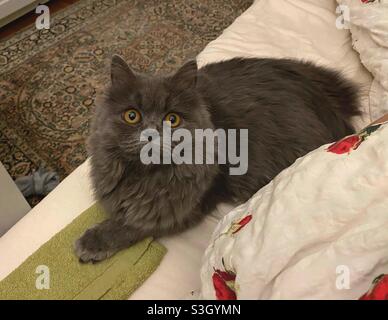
{"type": "Point", "coordinates": [121, 72]}
{"type": "Point", "coordinates": [186, 77]}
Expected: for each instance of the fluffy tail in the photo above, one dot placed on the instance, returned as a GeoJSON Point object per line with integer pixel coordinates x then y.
{"type": "Point", "coordinates": [343, 98]}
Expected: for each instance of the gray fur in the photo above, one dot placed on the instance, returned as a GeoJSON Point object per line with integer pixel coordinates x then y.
{"type": "Point", "coordinates": [289, 108]}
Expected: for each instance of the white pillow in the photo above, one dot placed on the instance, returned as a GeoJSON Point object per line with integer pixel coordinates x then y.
{"type": "Point", "coordinates": [368, 23]}
{"type": "Point", "coordinates": [317, 231]}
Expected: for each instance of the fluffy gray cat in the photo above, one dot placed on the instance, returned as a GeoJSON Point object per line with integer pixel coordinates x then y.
{"type": "Point", "coordinates": [288, 107]}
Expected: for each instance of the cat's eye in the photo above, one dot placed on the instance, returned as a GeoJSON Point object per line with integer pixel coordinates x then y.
{"type": "Point", "coordinates": [173, 118]}
{"type": "Point", "coordinates": [132, 116]}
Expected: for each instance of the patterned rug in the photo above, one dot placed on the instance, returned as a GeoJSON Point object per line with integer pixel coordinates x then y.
{"type": "Point", "coordinates": [49, 78]}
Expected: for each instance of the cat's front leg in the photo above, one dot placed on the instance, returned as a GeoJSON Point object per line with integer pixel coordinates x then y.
{"type": "Point", "coordinates": [104, 240]}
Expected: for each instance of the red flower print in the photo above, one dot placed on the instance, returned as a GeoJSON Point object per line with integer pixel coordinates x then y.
{"type": "Point", "coordinates": [223, 283]}
{"type": "Point", "coordinates": [238, 225]}
{"type": "Point", "coordinates": [353, 142]}
{"type": "Point", "coordinates": [226, 275]}
{"type": "Point", "coordinates": [235, 227]}
{"type": "Point", "coordinates": [345, 145]}
{"type": "Point", "coordinates": [379, 289]}
{"type": "Point", "coordinates": [243, 222]}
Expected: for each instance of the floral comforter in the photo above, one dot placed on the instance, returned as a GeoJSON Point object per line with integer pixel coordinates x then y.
{"type": "Point", "coordinates": [317, 231]}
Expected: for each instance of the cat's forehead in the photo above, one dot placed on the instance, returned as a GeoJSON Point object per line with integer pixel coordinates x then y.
{"type": "Point", "coordinates": [153, 94]}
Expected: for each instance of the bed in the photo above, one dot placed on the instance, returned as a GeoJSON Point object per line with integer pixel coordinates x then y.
{"type": "Point", "coordinates": [305, 30]}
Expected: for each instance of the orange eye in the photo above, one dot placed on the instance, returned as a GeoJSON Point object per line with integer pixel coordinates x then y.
{"type": "Point", "coordinates": [173, 118]}
{"type": "Point", "coordinates": [132, 116]}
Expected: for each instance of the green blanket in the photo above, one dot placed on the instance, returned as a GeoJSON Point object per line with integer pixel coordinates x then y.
{"type": "Point", "coordinates": [53, 271]}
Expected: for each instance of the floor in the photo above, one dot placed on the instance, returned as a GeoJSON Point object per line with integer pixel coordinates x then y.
{"type": "Point", "coordinates": [24, 22]}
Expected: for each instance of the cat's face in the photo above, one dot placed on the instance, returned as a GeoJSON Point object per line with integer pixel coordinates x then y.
{"type": "Point", "coordinates": [135, 103]}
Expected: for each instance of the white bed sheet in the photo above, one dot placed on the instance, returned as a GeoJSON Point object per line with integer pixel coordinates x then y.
{"type": "Point", "coordinates": [303, 29]}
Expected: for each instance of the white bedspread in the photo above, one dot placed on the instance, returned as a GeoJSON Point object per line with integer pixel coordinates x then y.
{"type": "Point", "coordinates": [303, 29]}
{"type": "Point", "coordinates": [317, 231]}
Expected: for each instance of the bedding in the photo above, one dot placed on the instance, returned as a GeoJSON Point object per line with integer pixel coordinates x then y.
{"type": "Point", "coordinates": [368, 24]}
{"type": "Point", "coordinates": [300, 29]}
{"type": "Point", "coordinates": [317, 231]}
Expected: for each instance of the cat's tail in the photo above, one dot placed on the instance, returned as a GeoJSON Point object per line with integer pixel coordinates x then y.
{"type": "Point", "coordinates": [343, 97]}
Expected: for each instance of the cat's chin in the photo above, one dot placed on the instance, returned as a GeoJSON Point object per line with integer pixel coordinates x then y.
{"type": "Point", "coordinates": [183, 170]}
{"type": "Point", "coordinates": [153, 167]}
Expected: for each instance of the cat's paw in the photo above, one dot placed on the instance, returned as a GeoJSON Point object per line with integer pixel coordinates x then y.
{"type": "Point", "coordinates": [93, 247]}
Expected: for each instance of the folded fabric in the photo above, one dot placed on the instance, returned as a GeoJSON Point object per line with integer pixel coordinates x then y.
{"type": "Point", "coordinates": [54, 272]}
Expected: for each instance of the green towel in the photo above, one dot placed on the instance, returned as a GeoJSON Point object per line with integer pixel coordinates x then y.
{"type": "Point", "coordinates": [115, 278]}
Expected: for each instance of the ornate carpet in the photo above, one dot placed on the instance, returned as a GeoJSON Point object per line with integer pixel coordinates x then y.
{"type": "Point", "coordinates": [49, 78]}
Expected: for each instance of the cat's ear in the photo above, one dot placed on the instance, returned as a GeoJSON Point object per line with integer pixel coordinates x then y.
{"type": "Point", "coordinates": [186, 76]}
{"type": "Point", "coordinates": [120, 72]}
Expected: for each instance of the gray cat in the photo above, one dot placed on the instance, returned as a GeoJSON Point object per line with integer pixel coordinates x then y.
{"type": "Point", "coordinates": [288, 107]}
